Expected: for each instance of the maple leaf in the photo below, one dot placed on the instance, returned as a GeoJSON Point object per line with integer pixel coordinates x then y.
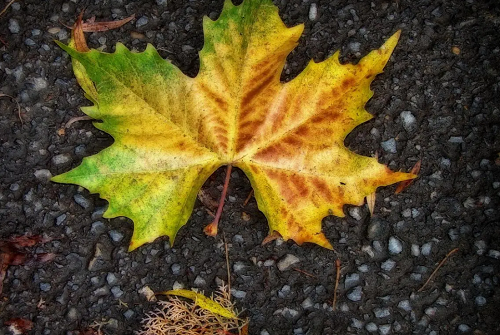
{"type": "Point", "coordinates": [172, 132]}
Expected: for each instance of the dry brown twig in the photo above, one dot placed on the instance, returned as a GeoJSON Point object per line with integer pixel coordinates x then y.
{"type": "Point", "coordinates": [437, 268]}
{"type": "Point", "coordinates": [7, 7]}
{"type": "Point", "coordinates": [337, 279]}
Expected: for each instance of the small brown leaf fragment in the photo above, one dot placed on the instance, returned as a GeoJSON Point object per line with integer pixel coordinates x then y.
{"type": "Point", "coordinates": [92, 26]}
{"type": "Point", "coordinates": [19, 326]}
{"type": "Point", "coordinates": [78, 36]}
{"type": "Point", "coordinates": [337, 279]}
{"type": "Point", "coordinates": [370, 201]}
{"type": "Point", "coordinates": [245, 216]}
{"type": "Point", "coordinates": [61, 132]}
{"type": "Point", "coordinates": [23, 241]}
{"type": "Point", "coordinates": [271, 237]}
{"type": "Point", "coordinates": [135, 34]}
{"type": "Point", "coordinates": [404, 184]}
{"type": "Point", "coordinates": [455, 50]}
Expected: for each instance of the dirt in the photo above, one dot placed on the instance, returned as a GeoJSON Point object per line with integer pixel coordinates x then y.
{"type": "Point", "coordinates": [444, 72]}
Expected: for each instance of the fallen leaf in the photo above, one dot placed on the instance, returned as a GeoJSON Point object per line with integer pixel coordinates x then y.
{"type": "Point", "coordinates": [172, 132]}
{"type": "Point", "coordinates": [404, 184]}
{"type": "Point", "coordinates": [93, 26]}
{"type": "Point", "coordinates": [19, 326]}
{"type": "Point", "coordinates": [203, 302]}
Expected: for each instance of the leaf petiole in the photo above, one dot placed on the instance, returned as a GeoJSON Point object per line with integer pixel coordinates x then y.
{"type": "Point", "coordinates": [211, 229]}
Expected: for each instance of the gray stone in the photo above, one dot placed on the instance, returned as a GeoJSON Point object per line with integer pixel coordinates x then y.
{"type": "Point", "coordinates": [376, 229]}
{"type": "Point", "coordinates": [355, 213]}
{"type": "Point", "coordinates": [480, 300]}
{"type": "Point", "coordinates": [111, 279]}
{"type": "Point", "coordinates": [287, 312]}
{"type": "Point", "coordinates": [39, 84]}
{"type": "Point", "coordinates": [494, 254]}
{"type": "Point", "coordinates": [409, 121]}
{"type": "Point", "coordinates": [161, 2]}
{"type": "Point", "coordinates": [82, 201]}
{"type": "Point", "coordinates": [60, 219]}
{"type": "Point", "coordinates": [355, 294]}
{"type": "Point", "coordinates": [351, 280]}
{"type": "Point", "coordinates": [128, 314]}
{"type": "Point", "coordinates": [371, 327]}
{"type": "Point", "coordinates": [97, 228]}
{"type": "Point", "coordinates": [45, 287]}
{"type": "Point", "coordinates": [285, 290]}
{"type": "Point", "coordinates": [287, 261]}
{"type": "Point", "coordinates": [355, 46]}
{"type": "Point", "coordinates": [384, 329]}
{"type": "Point", "coordinates": [143, 20]}
{"type": "Point", "coordinates": [426, 249]}
{"type": "Point", "coordinates": [117, 292]}
{"type": "Point", "coordinates": [463, 328]}
{"type": "Point", "coordinates": [388, 265]}
{"type": "Point", "coordinates": [239, 267]}
{"type": "Point", "coordinates": [395, 245]}
{"type": "Point", "coordinates": [381, 312]}
{"type": "Point", "coordinates": [101, 291]}
{"type": "Point", "coordinates": [389, 146]}
{"type": "Point", "coordinates": [430, 311]}
{"type": "Point", "coordinates": [14, 26]}
{"type": "Point", "coordinates": [269, 262]}
{"type": "Point", "coordinates": [363, 268]}
{"type": "Point", "coordinates": [238, 294]}
{"type": "Point", "coordinates": [415, 250]}
{"type": "Point", "coordinates": [43, 175]}
{"type": "Point", "coordinates": [199, 281]}
{"type": "Point", "coordinates": [61, 159]}
{"type": "Point", "coordinates": [456, 139]}
{"type": "Point", "coordinates": [307, 303]}
{"type": "Point", "coordinates": [176, 269]}
{"type": "Point", "coordinates": [405, 305]}
{"type": "Point", "coordinates": [355, 323]}
{"type": "Point", "coordinates": [313, 12]}
{"type": "Point", "coordinates": [115, 235]}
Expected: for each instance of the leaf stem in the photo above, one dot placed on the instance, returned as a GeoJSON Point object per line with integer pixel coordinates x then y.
{"type": "Point", "coordinates": [211, 229]}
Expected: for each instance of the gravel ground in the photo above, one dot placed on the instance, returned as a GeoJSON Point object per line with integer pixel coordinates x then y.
{"type": "Point", "coordinates": [437, 101]}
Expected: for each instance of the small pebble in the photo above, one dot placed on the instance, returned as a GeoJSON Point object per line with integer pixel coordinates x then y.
{"type": "Point", "coordinates": [480, 300]}
{"type": "Point", "coordinates": [39, 83]}
{"type": "Point", "coordinates": [269, 262]}
{"type": "Point", "coordinates": [384, 329]}
{"type": "Point", "coordinates": [128, 314]}
{"type": "Point", "coordinates": [313, 12]}
{"type": "Point", "coordinates": [176, 269]}
{"type": "Point", "coordinates": [45, 287]}
{"type": "Point", "coordinates": [115, 235]}
{"type": "Point", "coordinates": [177, 286]}
{"type": "Point", "coordinates": [426, 249]}
{"type": "Point", "coordinates": [409, 121]}
{"type": "Point", "coordinates": [61, 159]}
{"type": "Point", "coordinates": [82, 201]}
{"type": "Point", "coordinates": [97, 227]}
{"type": "Point", "coordinates": [141, 22]}
{"type": "Point", "coordinates": [494, 254]}
{"type": "Point", "coordinates": [431, 311]}
{"type": "Point", "coordinates": [363, 268]}
{"type": "Point", "coordinates": [389, 146]}
{"type": "Point", "coordinates": [199, 282]}
{"type": "Point", "coordinates": [388, 265]}
{"type": "Point", "coordinates": [463, 328]}
{"type": "Point", "coordinates": [371, 327]}
{"type": "Point", "coordinates": [54, 30]}
{"type": "Point", "coordinates": [14, 26]}
{"type": "Point", "coordinates": [355, 294]}
{"type": "Point", "coordinates": [405, 305]}
{"type": "Point", "coordinates": [415, 250]}
{"type": "Point", "coordinates": [285, 290]}
{"type": "Point", "coordinates": [381, 312]}
{"type": "Point", "coordinates": [351, 280]}
{"type": "Point", "coordinates": [60, 219]}
{"type": "Point", "coordinates": [395, 245]}
{"type": "Point", "coordinates": [287, 261]}
{"type": "Point", "coordinates": [307, 303]}
{"type": "Point", "coordinates": [111, 279]}
{"type": "Point", "coordinates": [355, 323]}
{"type": "Point", "coordinates": [43, 175]}
{"type": "Point", "coordinates": [117, 292]}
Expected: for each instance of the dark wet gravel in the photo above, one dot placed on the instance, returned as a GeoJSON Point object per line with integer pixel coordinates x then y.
{"type": "Point", "coordinates": [437, 101]}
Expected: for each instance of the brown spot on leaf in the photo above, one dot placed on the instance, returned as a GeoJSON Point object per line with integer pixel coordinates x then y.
{"type": "Point", "coordinates": [348, 82]}
{"type": "Point", "coordinates": [215, 97]}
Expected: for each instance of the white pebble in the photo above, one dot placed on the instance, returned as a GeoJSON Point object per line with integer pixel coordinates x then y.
{"type": "Point", "coordinates": [426, 249]}
{"type": "Point", "coordinates": [355, 213]}
{"type": "Point", "coordinates": [287, 261]}
{"type": "Point", "coordinates": [409, 121]}
{"type": "Point", "coordinates": [355, 294]}
{"type": "Point", "coordinates": [371, 327]}
{"type": "Point", "coordinates": [415, 250]}
{"type": "Point", "coordinates": [388, 265]}
{"type": "Point", "coordinates": [494, 254]}
{"type": "Point", "coordinates": [389, 146]}
{"type": "Point", "coordinates": [395, 245]}
{"type": "Point", "coordinates": [313, 12]}
{"type": "Point", "coordinates": [405, 305]}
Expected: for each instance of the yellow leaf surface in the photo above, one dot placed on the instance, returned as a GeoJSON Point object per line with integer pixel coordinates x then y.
{"type": "Point", "coordinates": [172, 132]}
{"type": "Point", "coordinates": [204, 302]}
